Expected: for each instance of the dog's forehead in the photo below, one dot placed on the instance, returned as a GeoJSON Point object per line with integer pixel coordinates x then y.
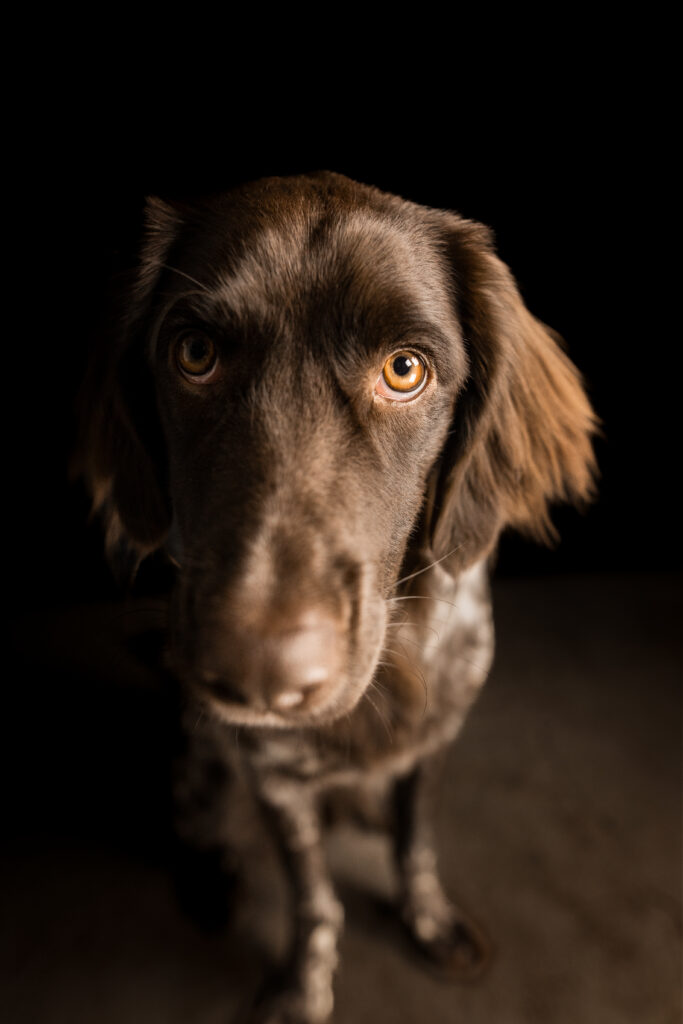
{"type": "Point", "coordinates": [292, 253]}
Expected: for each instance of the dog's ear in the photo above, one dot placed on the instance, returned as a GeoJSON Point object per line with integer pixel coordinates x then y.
{"type": "Point", "coordinates": [521, 435]}
{"type": "Point", "coordinates": [121, 452]}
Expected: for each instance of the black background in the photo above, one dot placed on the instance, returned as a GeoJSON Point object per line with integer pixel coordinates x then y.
{"type": "Point", "coordinates": [566, 172]}
{"type": "Point", "coordinates": [564, 155]}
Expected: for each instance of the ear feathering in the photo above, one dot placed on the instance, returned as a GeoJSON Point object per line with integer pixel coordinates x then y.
{"type": "Point", "coordinates": [522, 428]}
{"type": "Point", "coordinates": [120, 456]}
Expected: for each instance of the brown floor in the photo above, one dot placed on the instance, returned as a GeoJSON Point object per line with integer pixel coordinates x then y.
{"type": "Point", "coordinates": [560, 828]}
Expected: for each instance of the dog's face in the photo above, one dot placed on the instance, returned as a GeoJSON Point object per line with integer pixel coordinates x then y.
{"type": "Point", "coordinates": [305, 386]}
{"type": "Point", "coordinates": [312, 378]}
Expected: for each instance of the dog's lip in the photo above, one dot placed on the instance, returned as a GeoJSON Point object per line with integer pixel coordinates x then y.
{"type": "Point", "coordinates": [239, 714]}
{"type": "Point", "coordinates": [236, 713]}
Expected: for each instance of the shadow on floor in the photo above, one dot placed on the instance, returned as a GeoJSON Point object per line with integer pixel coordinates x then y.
{"type": "Point", "coordinates": [560, 829]}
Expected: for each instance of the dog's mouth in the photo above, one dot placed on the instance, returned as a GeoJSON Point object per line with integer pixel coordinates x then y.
{"type": "Point", "coordinates": [221, 701]}
{"type": "Point", "coordinates": [310, 704]}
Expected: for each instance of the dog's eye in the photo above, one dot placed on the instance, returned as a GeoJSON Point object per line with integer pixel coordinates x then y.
{"type": "Point", "coordinates": [403, 376]}
{"type": "Point", "coordinates": [196, 357]}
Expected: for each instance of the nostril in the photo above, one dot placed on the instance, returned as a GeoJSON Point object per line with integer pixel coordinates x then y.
{"type": "Point", "coordinates": [226, 692]}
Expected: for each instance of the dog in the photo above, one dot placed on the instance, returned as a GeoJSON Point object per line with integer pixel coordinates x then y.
{"type": "Point", "coordinates": [325, 403]}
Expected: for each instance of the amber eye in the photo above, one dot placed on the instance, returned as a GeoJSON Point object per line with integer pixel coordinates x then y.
{"type": "Point", "coordinates": [403, 376]}
{"type": "Point", "coordinates": [196, 356]}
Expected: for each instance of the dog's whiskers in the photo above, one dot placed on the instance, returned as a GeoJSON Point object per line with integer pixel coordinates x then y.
{"type": "Point", "coordinates": [380, 713]}
{"type": "Point", "coordinates": [417, 625]}
{"type": "Point", "coordinates": [421, 597]}
{"type": "Point", "coordinates": [416, 643]}
{"type": "Point", "coordinates": [437, 561]}
{"type": "Point", "coordinates": [412, 667]}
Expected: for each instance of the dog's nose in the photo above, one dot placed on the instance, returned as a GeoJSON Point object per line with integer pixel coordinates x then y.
{"type": "Point", "coordinates": [299, 663]}
{"type": "Point", "coordinates": [285, 666]}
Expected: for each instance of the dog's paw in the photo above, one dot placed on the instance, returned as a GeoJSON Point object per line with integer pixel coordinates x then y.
{"type": "Point", "coordinates": [453, 945]}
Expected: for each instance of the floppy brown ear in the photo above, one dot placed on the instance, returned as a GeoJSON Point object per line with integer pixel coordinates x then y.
{"type": "Point", "coordinates": [121, 452]}
{"type": "Point", "coordinates": [521, 436]}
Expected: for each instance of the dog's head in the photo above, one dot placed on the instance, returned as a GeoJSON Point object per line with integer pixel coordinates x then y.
{"type": "Point", "coordinates": [310, 379]}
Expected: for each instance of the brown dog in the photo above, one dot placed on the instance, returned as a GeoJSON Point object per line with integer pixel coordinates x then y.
{"type": "Point", "coordinates": [327, 402]}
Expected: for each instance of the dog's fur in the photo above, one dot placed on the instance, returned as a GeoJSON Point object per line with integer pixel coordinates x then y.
{"type": "Point", "coordinates": [331, 542]}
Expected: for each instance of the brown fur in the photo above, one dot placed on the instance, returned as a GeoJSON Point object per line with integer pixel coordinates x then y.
{"type": "Point", "coordinates": [522, 429]}
{"type": "Point", "coordinates": [302, 508]}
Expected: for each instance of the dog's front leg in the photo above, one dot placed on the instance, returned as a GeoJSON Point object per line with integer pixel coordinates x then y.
{"type": "Point", "coordinates": [305, 997]}
{"type": "Point", "coordinates": [437, 925]}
